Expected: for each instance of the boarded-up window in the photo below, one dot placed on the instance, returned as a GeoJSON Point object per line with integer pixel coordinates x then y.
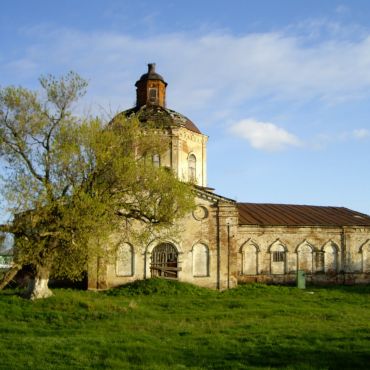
{"type": "Point", "coordinates": [125, 260]}
{"type": "Point", "coordinates": [330, 257]}
{"type": "Point", "coordinates": [278, 257]}
{"type": "Point", "coordinates": [200, 260]}
{"type": "Point", "coordinates": [153, 94]}
{"type": "Point", "coordinates": [249, 259]}
{"type": "Point", "coordinates": [304, 255]}
{"type": "Point", "coordinates": [366, 257]}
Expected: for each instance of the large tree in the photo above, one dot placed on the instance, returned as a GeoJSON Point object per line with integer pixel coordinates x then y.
{"type": "Point", "coordinates": [70, 182]}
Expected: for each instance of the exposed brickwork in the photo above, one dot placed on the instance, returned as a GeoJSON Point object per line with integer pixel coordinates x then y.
{"type": "Point", "coordinates": [143, 93]}
{"type": "Point", "coordinates": [151, 89]}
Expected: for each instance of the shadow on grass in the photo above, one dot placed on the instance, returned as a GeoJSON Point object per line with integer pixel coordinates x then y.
{"type": "Point", "coordinates": [268, 357]}
{"type": "Point", "coordinates": [356, 289]}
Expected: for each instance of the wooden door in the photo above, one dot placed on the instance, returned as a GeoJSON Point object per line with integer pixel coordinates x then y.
{"type": "Point", "coordinates": [164, 261]}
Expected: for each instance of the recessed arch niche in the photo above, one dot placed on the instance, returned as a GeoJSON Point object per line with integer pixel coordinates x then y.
{"type": "Point", "coordinates": [249, 260]}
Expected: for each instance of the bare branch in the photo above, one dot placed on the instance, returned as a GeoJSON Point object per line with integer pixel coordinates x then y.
{"type": "Point", "coordinates": [17, 148]}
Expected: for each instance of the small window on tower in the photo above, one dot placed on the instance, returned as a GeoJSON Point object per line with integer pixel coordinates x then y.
{"type": "Point", "coordinates": [153, 94]}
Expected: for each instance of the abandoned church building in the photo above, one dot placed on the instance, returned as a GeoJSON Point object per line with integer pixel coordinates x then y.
{"type": "Point", "coordinates": [223, 242]}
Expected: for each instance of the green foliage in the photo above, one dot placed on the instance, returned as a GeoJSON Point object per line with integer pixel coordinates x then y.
{"type": "Point", "coordinates": [2, 241]}
{"type": "Point", "coordinates": [251, 327]}
{"type": "Point", "coordinates": [71, 182]}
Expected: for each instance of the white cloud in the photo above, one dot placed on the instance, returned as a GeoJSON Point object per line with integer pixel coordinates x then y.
{"type": "Point", "coordinates": [219, 69]}
{"type": "Point", "coordinates": [361, 133]}
{"type": "Point", "coordinates": [264, 135]}
{"type": "Point", "coordinates": [323, 140]}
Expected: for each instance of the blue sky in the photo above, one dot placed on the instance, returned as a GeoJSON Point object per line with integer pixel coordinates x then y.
{"type": "Point", "coordinates": [282, 88]}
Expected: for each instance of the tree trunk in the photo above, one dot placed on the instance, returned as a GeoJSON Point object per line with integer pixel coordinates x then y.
{"type": "Point", "coordinates": [9, 275]}
{"type": "Point", "coordinates": [38, 287]}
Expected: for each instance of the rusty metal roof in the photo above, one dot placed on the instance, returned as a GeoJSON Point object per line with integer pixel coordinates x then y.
{"type": "Point", "coordinates": [263, 214]}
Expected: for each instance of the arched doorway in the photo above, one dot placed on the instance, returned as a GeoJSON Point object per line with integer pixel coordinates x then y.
{"type": "Point", "coordinates": [164, 261]}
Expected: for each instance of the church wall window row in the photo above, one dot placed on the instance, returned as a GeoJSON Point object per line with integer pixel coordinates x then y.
{"type": "Point", "coordinates": [306, 257]}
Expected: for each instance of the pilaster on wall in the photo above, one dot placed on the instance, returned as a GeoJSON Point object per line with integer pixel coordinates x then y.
{"type": "Point", "coordinates": [175, 158]}
{"type": "Point", "coordinates": [318, 265]}
{"type": "Point", "coordinates": [97, 274]}
{"type": "Point", "coordinates": [227, 218]}
{"type": "Point", "coordinates": [353, 256]}
{"type": "Point", "coordinates": [344, 260]}
{"type": "Point", "coordinates": [204, 161]}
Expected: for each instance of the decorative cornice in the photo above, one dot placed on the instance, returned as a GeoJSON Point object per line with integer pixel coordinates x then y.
{"type": "Point", "coordinates": [203, 193]}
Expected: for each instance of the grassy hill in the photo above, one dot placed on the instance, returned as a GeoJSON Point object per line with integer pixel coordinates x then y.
{"type": "Point", "coordinates": [158, 324]}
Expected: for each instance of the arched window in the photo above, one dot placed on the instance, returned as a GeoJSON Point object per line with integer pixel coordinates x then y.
{"type": "Point", "coordinates": [278, 258]}
{"type": "Point", "coordinates": [192, 164]}
{"type": "Point", "coordinates": [156, 160]}
{"type": "Point", "coordinates": [125, 260]}
{"type": "Point", "coordinates": [330, 257]}
{"type": "Point", "coordinates": [304, 255]}
{"type": "Point", "coordinates": [164, 261]}
{"type": "Point", "coordinates": [153, 95]}
{"type": "Point", "coordinates": [365, 249]}
{"type": "Point", "coordinates": [249, 259]}
{"type": "Point", "coordinates": [200, 260]}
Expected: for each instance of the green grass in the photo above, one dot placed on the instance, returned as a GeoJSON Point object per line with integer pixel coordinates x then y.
{"type": "Point", "coordinates": [157, 324]}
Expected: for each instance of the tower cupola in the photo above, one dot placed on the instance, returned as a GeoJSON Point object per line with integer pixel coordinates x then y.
{"type": "Point", "coordinates": [187, 152]}
{"type": "Point", "coordinates": [151, 89]}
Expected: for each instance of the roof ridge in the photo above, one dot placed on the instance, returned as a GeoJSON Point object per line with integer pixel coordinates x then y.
{"type": "Point", "coordinates": [294, 205]}
{"type": "Point", "coordinates": [273, 214]}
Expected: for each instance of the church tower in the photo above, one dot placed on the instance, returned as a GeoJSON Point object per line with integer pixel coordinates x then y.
{"type": "Point", "coordinates": [187, 155]}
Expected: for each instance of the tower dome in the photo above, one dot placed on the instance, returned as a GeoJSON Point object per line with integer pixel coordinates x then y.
{"type": "Point", "coordinates": [187, 153]}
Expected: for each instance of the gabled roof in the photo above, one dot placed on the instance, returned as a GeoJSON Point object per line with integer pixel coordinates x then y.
{"type": "Point", "coordinates": [299, 215]}
{"type": "Point", "coordinates": [208, 193]}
